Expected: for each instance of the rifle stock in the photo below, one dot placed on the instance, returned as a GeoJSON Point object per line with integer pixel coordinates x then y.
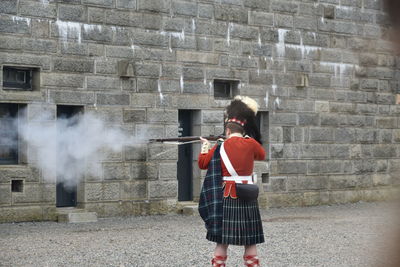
{"type": "Point", "coordinates": [187, 138]}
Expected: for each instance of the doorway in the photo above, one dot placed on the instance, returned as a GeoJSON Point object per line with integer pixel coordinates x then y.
{"type": "Point", "coordinates": [66, 193]}
{"type": "Point", "coordinates": [185, 157]}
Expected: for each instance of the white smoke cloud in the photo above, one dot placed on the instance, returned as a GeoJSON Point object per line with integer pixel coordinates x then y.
{"type": "Point", "coordinates": [68, 149]}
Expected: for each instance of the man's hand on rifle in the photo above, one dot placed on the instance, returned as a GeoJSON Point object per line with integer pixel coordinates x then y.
{"type": "Point", "coordinates": [205, 145]}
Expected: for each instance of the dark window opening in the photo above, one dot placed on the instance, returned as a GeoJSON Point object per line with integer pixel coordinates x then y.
{"type": "Point", "coordinates": [17, 186]}
{"type": "Point", "coordinates": [8, 133]}
{"type": "Point", "coordinates": [20, 78]}
{"type": "Point", "coordinates": [265, 178]}
{"type": "Point", "coordinates": [225, 89]}
{"type": "Point", "coordinates": [262, 121]}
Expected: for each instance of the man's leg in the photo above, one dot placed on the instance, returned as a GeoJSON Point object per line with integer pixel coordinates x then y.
{"type": "Point", "coordinates": [220, 255]}
{"type": "Point", "coordinates": [250, 256]}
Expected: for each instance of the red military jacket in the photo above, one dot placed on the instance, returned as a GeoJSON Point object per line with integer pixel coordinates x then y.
{"type": "Point", "coordinates": [241, 152]}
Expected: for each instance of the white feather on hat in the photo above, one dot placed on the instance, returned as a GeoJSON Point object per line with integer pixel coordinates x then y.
{"type": "Point", "coordinates": [250, 102]}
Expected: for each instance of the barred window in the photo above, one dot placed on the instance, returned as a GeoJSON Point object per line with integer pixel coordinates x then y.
{"type": "Point", "coordinates": [20, 78]}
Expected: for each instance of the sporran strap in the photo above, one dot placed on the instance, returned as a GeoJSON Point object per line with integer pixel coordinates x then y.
{"type": "Point", "coordinates": [227, 162]}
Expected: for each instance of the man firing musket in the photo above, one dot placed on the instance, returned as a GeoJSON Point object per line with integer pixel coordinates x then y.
{"type": "Point", "coordinates": [228, 199]}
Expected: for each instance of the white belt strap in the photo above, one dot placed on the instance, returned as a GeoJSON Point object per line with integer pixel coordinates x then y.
{"type": "Point", "coordinates": [227, 162]}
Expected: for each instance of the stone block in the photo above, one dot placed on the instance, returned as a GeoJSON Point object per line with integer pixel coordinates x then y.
{"type": "Point", "coordinates": [284, 119]}
{"type": "Point", "coordinates": [152, 70]}
{"type": "Point", "coordinates": [8, 6]}
{"type": "Point", "coordinates": [123, 18]}
{"type": "Point", "coordinates": [135, 190]}
{"type": "Point", "coordinates": [206, 11]}
{"type": "Point", "coordinates": [163, 189]}
{"type": "Point", "coordinates": [162, 115]}
{"type": "Point", "coordinates": [364, 166]}
{"type": "Point", "coordinates": [162, 6]}
{"type": "Point", "coordinates": [139, 171]}
{"type": "Point", "coordinates": [195, 87]}
{"type": "Point", "coordinates": [96, 15]}
{"type": "Point", "coordinates": [10, 43]}
{"type": "Point", "coordinates": [387, 123]}
{"type": "Point", "coordinates": [284, 7]}
{"type": "Point", "coordinates": [113, 99]}
{"type": "Point", "coordinates": [212, 116]}
{"type": "Point", "coordinates": [105, 3]}
{"type": "Point", "coordinates": [339, 151]}
{"type": "Point", "coordinates": [111, 191]}
{"type": "Point", "coordinates": [74, 49]}
{"type": "Point", "coordinates": [151, 21]}
{"type": "Point", "coordinates": [168, 171]}
{"type": "Point", "coordinates": [103, 83]}
{"type": "Point", "coordinates": [106, 114]}
{"type": "Point", "coordinates": [37, 9]}
{"type": "Point", "coordinates": [243, 32]}
{"type": "Point", "coordinates": [312, 182]}
{"type": "Point", "coordinates": [17, 25]}
{"type": "Point", "coordinates": [70, 65]}
{"type": "Point", "coordinates": [321, 135]}
{"type": "Point", "coordinates": [384, 151]}
{"type": "Point", "coordinates": [72, 13]}
{"type": "Point", "coordinates": [261, 18]}
{"type": "Point", "coordinates": [196, 57]}
{"type": "Point", "coordinates": [136, 152]}
{"type": "Point", "coordinates": [345, 135]}
{"type": "Point", "coordinates": [314, 151]}
{"type": "Point", "coordinates": [308, 119]}
{"type": "Point", "coordinates": [162, 152]}
{"type": "Point", "coordinates": [5, 194]}
{"type": "Point", "coordinates": [107, 67]}
{"type": "Point", "coordinates": [62, 80]}
{"type": "Point", "coordinates": [116, 171]}
{"type": "Point", "coordinates": [257, 4]}
{"type": "Point", "coordinates": [278, 184]}
{"type": "Point", "coordinates": [324, 167]}
{"type": "Point", "coordinates": [184, 8]}
{"type": "Point", "coordinates": [291, 167]}
{"type": "Point", "coordinates": [97, 33]}
{"type": "Point", "coordinates": [285, 21]}
{"type": "Point", "coordinates": [126, 4]}
{"type": "Point", "coordinates": [64, 97]}
{"type": "Point", "coordinates": [231, 14]}
{"type": "Point", "coordinates": [349, 181]}
{"type": "Point", "coordinates": [134, 115]}
{"type": "Point", "coordinates": [149, 131]}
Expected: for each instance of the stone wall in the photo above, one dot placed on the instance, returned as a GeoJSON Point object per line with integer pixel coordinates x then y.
{"type": "Point", "coordinates": [321, 70]}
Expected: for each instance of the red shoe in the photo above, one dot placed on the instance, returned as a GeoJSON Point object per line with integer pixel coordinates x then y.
{"type": "Point", "coordinates": [251, 261]}
{"type": "Point", "coordinates": [219, 261]}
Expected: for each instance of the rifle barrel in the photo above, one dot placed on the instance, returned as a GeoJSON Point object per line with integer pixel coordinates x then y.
{"type": "Point", "coordinates": [186, 138]}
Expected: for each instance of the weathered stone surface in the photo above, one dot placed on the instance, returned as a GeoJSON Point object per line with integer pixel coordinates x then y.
{"type": "Point", "coordinates": [113, 99]}
{"type": "Point", "coordinates": [73, 65]}
{"type": "Point", "coordinates": [72, 13]}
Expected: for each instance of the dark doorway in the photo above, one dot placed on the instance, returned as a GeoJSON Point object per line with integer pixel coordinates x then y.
{"type": "Point", "coordinates": [185, 158]}
{"type": "Point", "coordinates": [66, 193]}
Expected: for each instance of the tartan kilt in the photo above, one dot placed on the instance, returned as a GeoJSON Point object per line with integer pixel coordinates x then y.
{"type": "Point", "coordinates": [241, 223]}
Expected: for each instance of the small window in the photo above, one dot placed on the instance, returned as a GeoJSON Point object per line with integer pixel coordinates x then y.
{"type": "Point", "coordinates": [20, 78]}
{"type": "Point", "coordinates": [17, 186]}
{"type": "Point", "coordinates": [225, 89]}
{"type": "Point", "coordinates": [265, 178]}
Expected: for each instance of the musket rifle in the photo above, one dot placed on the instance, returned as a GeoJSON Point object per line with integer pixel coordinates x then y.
{"type": "Point", "coordinates": [187, 139]}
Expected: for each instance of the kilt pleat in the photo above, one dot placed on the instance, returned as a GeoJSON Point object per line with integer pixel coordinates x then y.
{"type": "Point", "coordinates": [241, 223]}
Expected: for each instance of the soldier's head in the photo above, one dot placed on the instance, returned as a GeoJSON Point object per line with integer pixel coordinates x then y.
{"type": "Point", "coordinates": [231, 128]}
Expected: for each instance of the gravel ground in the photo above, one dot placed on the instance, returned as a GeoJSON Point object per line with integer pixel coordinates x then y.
{"type": "Point", "coordinates": [341, 235]}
